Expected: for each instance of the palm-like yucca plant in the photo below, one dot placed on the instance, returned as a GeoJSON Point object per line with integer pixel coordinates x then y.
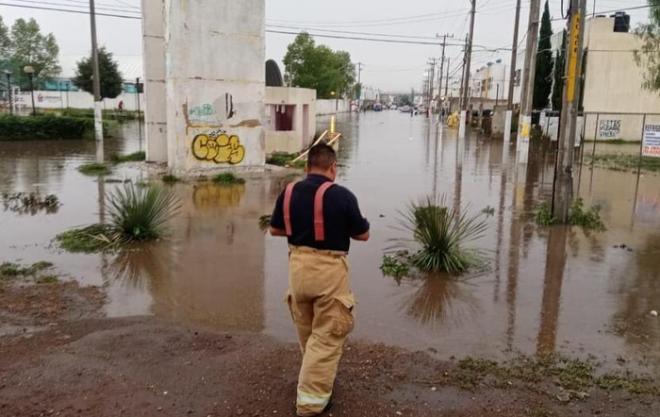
{"type": "Point", "coordinates": [440, 234]}
{"type": "Point", "coordinates": [141, 213]}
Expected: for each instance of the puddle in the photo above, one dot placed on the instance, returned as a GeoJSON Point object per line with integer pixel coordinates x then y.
{"type": "Point", "coordinates": [547, 289]}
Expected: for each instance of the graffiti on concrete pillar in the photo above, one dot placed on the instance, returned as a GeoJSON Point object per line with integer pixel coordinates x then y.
{"type": "Point", "coordinates": [608, 129]}
{"type": "Point", "coordinates": [218, 147]}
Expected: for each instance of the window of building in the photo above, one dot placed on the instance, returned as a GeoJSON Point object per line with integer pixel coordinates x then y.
{"type": "Point", "coordinates": [282, 117]}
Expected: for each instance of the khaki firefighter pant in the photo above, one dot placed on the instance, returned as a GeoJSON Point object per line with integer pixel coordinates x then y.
{"type": "Point", "coordinates": [321, 304]}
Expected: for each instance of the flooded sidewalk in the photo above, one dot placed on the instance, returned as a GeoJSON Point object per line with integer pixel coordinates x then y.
{"type": "Point", "coordinates": [547, 290]}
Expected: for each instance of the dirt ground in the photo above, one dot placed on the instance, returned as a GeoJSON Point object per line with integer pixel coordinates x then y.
{"type": "Point", "coordinates": [60, 357]}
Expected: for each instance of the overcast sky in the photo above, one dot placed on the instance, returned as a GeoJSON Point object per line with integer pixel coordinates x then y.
{"type": "Point", "coordinates": [388, 66]}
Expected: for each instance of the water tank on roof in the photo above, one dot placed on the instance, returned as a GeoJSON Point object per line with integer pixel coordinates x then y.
{"type": "Point", "coordinates": [621, 22]}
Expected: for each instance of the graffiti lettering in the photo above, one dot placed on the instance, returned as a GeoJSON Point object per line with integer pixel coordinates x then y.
{"type": "Point", "coordinates": [609, 128]}
{"type": "Point", "coordinates": [201, 112]}
{"type": "Point", "coordinates": [218, 148]}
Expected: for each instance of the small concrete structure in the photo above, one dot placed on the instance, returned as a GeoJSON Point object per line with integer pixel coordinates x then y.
{"type": "Point", "coordinates": [291, 114]}
{"type": "Point", "coordinates": [205, 83]}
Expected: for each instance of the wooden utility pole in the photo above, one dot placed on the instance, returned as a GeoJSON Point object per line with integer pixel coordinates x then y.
{"type": "Point", "coordinates": [514, 57]}
{"type": "Point", "coordinates": [526, 98]}
{"type": "Point", "coordinates": [468, 56]}
{"type": "Point", "coordinates": [433, 62]}
{"type": "Point", "coordinates": [563, 185]}
{"type": "Point", "coordinates": [96, 85]}
{"type": "Point", "coordinates": [442, 66]}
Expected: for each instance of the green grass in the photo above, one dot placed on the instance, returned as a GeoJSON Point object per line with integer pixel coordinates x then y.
{"type": "Point", "coordinates": [170, 179]}
{"type": "Point", "coordinates": [624, 162]}
{"type": "Point", "coordinates": [395, 266]}
{"type": "Point", "coordinates": [284, 159]}
{"type": "Point", "coordinates": [439, 234]}
{"type": "Point", "coordinates": [95, 169]}
{"type": "Point", "coordinates": [13, 270]}
{"type": "Point", "coordinates": [264, 222]}
{"type": "Point", "coordinates": [47, 279]}
{"type": "Point", "coordinates": [133, 157]}
{"type": "Point", "coordinates": [588, 219]}
{"type": "Point", "coordinates": [141, 213]}
{"type": "Point", "coordinates": [615, 142]}
{"type": "Point", "coordinates": [30, 202]}
{"type": "Point", "coordinates": [90, 239]}
{"type": "Point", "coordinates": [227, 178]}
{"type": "Point", "coordinates": [572, 375]}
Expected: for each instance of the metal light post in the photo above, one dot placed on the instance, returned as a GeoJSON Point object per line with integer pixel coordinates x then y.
{"type": "Point", "coordinates": [9, 98]}
{"type": "Point", "coordinates": [137, 98]}
{"type": "Point", "coordinates": [29, 70]}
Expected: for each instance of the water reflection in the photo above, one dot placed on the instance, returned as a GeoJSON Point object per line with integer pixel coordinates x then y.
{"type": "Point", "coordinates": [438, 299]}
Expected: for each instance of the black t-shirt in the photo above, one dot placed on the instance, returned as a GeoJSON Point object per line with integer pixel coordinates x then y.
{"type": "Point", "coordinates": [341, 215]}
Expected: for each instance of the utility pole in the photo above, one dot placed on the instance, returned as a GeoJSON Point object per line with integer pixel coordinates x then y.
{"type": "Point", "coordinates": [359, 65]}
{"type": "Point", "coordinates": [433, 62]}
{"type": "Point", "coordinates": [442, 64]}
{"type": "Point", "coordinates": [139, 118]}
{"type": "Point", "coordinates": [447, 85]}
{"type": "Point", "coordinates": [466, 71]}
{"type": "Point", "coordinates": [96, 81]}
{"type": "Point", "coordinates": [563, 184]}
{"type": "Point", "coordinates": [526, 98]}
{"type": "Point", "coordinates": [512, 77]}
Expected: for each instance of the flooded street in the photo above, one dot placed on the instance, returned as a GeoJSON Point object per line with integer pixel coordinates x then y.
{"type": "Point", "coordinates": [546, 290]}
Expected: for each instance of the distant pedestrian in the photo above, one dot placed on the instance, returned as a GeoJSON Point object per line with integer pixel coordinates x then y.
{"type": "Point", "coordinates": [319, 219]}
{"type": "Point", "coordinates": [120, 106]}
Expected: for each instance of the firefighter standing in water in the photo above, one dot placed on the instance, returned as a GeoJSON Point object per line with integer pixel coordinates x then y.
{"type": "Point", "coordinates": [319, 218]}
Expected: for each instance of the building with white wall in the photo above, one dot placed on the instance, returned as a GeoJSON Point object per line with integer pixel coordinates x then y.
{"type": "Point", "coordinates": [291, 118]}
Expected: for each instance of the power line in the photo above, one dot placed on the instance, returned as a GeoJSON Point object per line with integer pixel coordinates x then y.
{"type": "Point", "coordinates": [72, 5]}
{"type": "Point", "coordinates": [317, 35]}
{"type": "Point", "coordinates": [53, 9]}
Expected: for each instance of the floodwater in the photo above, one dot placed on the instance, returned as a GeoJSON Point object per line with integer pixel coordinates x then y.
{"type": "Point", "coordinates": [546, 290]}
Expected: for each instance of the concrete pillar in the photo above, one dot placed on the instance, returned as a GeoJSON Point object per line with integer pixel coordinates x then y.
{"type": "Point", "coordinates": [153, 42]}
{"type": "Point", "coordinates": [461, 124]}
{"type": "Point", "coordinates": [507, 128]}
{"type": "Point", "coordinates": [215, 54]}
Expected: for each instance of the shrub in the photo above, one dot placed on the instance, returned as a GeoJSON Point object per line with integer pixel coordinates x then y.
{"type": "Point", "coordinates": [94, 169]}
{"type": "Point", "coordinates": [439, 233]}
{"type": "Point", "coordinates": [44, 127]}
{"type": "Point", "coordinates": [543, 215]}
{"type": "Point", "coordinates": [140, 213]}
{"type": "Point", "coordinates": [227, 178]}
{"type": "Point", "coordinates": [170, 179]}
{"type": "Point", "coordinates": [395, 266]}
{"type": "Point", "coordinates": [588, 219]}
{"type": "Point", "coordinates": [133, 157]}
{"type": "Point", "coordinates": [285, 159]}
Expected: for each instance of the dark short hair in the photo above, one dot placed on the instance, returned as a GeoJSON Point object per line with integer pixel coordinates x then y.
{"type": "Point", "coordinates": [321, 156]}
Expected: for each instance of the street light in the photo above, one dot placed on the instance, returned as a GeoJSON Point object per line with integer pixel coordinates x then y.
{"type": "Point", "coordinates": [9, 100]}
{"type": "Point", "coordinates": [29, 70]}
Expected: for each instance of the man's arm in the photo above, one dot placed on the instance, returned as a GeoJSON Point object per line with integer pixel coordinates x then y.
{"type": "Point", "coordinates": [357, 223]}
{"type": "Point", "coordinates": [277, 227]}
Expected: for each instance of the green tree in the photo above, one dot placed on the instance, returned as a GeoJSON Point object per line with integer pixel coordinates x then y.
{"type": "Point", "coordinates": [648, 56]}
{"type": "Point", "coordinates": [560, 67]}
{"type": "Point", "coordinates": [111, 79]}
{"type": "Point", "coordinates": [5, 44]}
{"type": "Point", "coordinates": [30, 47]}
{"type": "Point", "coordinates": [544, 64]}
{"type": "Point", "coordinates": [307, 65]}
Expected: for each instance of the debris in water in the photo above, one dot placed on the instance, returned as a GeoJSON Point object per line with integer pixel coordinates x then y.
{"type": "Point", "coordinates": [654, 313]}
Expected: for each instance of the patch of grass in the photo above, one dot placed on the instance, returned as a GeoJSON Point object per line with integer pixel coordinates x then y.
{"type": "Point", "coordinates": [622, 162]}
{"type": "Point", "coordinates": [616, 142]}
{"type": "Point", "coordinates": [95, 169]}
{"type": "Point", "coordinates": [573, 375]}
{"type": "Point", "coordinates": [170, 179]}
{"type": "Point", "coordinates": [264, 222]}
{"type": "Point", "coordinates": [13, 270]}
{"type": "Point", "coordinates": [90, 239]}
{"type": "Point", "coordinates": [440, 234]}
{"type": "Point", "coordinates": [32, 203]}
{"type": "Point", "coordinates": [227, 178]}
{"type": "Point", "coordinates": [139, 214]}
{"type": "Point", "coordinates": [285, 159]}
{"type": "Point", "coordinates": [395, 266]}
{"type": "Point", "coordinates": [588, 219]}
{"type": "Point", "coordinates": [488, 211]}
{"type": "Point", "coordinates": [47, 279]}
{"type": "Point", "coordinates": [133, 157]}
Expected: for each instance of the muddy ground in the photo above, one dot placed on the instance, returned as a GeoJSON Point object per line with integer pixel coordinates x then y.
{"type": "Point", "coordinates": [64, 359]}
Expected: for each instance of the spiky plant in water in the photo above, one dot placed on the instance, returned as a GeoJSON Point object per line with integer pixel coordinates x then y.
{"type": "Point", "coordinates": [141, 213]}
{"type": "Point", "coordinates": [440, 234]}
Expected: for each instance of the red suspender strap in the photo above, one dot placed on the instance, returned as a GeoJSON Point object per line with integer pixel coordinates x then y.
{"type": "Point", "coordinates": [319, 225]}
{"type": "Point", "coordinates": [287, 208]}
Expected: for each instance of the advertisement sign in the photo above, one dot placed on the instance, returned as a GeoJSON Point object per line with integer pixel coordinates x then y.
{"type": "Point", "coordinates": [651, 143]}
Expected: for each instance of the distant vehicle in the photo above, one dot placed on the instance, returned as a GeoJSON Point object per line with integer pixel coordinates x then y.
{"type": "Point", "coordinates": [404, 109]}
{"type": "Point", "coordinates": [378, 107]}
{"type": "Point", "coordinates": [393, 107]}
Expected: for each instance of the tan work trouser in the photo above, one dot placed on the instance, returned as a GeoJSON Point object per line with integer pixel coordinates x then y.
{"type": "Point", "coordinates": [321, 304]}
